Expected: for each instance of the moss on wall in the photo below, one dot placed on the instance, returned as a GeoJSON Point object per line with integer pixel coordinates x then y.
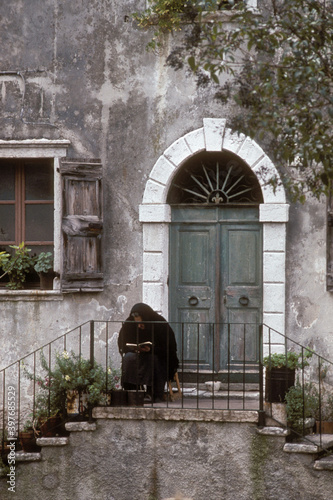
{"type": "Point", "coordinates": [259, 454]}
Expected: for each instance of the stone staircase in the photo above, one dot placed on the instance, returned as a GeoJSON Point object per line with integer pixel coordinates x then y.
{"type": "Point", "coordinates": [309, 449]}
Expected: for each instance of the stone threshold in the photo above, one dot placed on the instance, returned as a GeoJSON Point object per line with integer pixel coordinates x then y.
{"type": "Point", "coordinates": [177, 414]}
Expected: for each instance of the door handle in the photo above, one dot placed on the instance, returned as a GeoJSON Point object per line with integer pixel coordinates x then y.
{"type": "Point", "coordinates": [244, 301]}
{"type": "Point", "coordinates": [193, 301]}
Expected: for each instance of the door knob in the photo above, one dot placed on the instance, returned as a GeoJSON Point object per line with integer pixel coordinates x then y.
{"type": "Point", "coordinates": [193, 301]}
{"type": "Point", "coordinates": [244, 301]}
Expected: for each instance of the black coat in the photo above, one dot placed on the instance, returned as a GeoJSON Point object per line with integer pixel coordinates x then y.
{"type": "Point", "coordinates": [156, 330]}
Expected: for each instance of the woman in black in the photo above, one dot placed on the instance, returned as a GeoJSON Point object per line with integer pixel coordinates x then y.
{"type": "Point", "coordinates": [154, 363]}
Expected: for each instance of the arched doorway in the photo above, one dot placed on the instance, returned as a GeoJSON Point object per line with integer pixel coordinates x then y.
{"type": "Point", "coordinates": [268, 219]}
{"type": "Point", "coordinates": [215, 262]}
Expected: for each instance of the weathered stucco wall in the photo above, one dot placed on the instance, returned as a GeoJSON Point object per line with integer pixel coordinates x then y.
{"type": "Point", "coordinates": [157, 459]}
{"type": "Point", "coordinates": [79, 71]}
{"type": "Point", "coordinates": [309, 306]}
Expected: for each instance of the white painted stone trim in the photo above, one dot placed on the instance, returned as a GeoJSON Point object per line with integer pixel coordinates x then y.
{"type": "Point", "coordinates": [34, 148]}
{"type": "Point", "coordinates": [274, 212]}
{"type": "Point", "coordinates": [43, 148]}
{"type": "Point", "coordinates": [155, 215]}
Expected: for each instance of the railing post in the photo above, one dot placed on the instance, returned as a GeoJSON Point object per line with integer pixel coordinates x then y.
{"type": "Point", "coordinates": [92, 343]}
{"type": "Point", "coordinates": [92, 358]}
{"type": "Point", "coordinates": [261, 379]}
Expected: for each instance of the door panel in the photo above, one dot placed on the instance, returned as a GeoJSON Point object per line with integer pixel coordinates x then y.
{"type": "Point", "coordinates": [216, 278]}
{"type": "Point", "coordinates": [242, 295]}
{"type": "Point", "coordinates": [192, 283]}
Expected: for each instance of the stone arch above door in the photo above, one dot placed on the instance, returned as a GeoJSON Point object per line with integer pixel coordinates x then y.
{"type": "Point", "coordinates": [155, 215]}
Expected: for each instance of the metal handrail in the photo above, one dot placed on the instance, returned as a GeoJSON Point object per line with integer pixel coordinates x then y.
{"type": "Point", "coordinates": [94, 340]}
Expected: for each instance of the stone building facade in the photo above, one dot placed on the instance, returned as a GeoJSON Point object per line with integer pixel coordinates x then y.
{"type": "Point", "coordinates": [77, 87]}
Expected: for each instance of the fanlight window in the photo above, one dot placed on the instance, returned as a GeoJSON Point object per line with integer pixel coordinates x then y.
{"type": "Point", "coordinates": [215, 180]}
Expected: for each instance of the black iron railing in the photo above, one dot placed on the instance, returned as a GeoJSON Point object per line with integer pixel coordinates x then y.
{"type": "Point", "coordinates": [302, 380]}
{"type": "Point", "coordinates": [221, 366]}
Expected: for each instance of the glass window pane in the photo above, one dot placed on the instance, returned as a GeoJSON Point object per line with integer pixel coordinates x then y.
{"type": "Point", "coordinates": [38, 182]}
{"type": "Point", "coordinates": [7, 182]}
{"type": "Point", "coordinates": [7, 223]}
{"type": "Point", "coordinates": [39, 222]}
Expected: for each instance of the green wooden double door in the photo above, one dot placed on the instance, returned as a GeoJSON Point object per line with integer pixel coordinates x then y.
{"type": "Point", "coordinates": [215, 286]}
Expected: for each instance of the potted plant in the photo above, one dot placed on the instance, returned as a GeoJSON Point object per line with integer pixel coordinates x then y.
{"type": "Point", "coordinates": [44, 267]}
{"type": "Point", "coordinates": [72, 386]}
{"type": "Point", "coordinates": [17, 266]}
{"type": "Point", "coordinates": [280, 373]}
{"type": "Point", "coordinates": [48, 418]}
{"type": "Point", "coordinates": [324, 415]}
{"type": "Point", "coordinates": [301, 407]}
{"type": "Point", "coordinates": [27, 438]}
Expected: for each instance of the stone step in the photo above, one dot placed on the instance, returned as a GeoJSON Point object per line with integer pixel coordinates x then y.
{"type": "Point", "coordinates": [273, 431]}
{"type": "Point", "coordinates": [22, 456]}
{"type": "Point", "coordinates": [306, 448]}
{"type": "Point", "coordinates": [193, 392]}
{"type": "Point", "coordinates": [325, 463]}
{"type": "Point", "coordinates": [234, 386]}
{"type": "Point", "coordinates": [52, 441]}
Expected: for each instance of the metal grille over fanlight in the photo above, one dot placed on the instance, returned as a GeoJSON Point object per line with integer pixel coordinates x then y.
{"type": "Point", "coordinates": [219, 185]}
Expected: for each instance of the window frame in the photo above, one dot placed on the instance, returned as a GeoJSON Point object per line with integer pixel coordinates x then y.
{"type": "Point", "coordinates": [39, 149]}
{"type": "Point", "coordinates": [21, 203]}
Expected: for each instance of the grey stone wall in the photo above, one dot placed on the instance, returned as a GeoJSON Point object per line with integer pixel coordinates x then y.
{"type": "Point", "coordinates": [131, 459]}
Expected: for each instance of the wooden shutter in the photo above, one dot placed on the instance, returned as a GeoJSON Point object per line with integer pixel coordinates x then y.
{"type": "Point", "coordinates": [82, 224]}
{"type": "Point", "coordinates": [330, 243]}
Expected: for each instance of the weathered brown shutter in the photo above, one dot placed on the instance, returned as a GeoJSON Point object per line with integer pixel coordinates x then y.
{"type": "Point", "coordinates": [82, 225]}
{"type": "Point", "coordinates": [330, 243]}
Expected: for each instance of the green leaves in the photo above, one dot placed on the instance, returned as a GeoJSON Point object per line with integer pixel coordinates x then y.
{"type": "Point", "coordinates": [280, 60]}
{"type": "Point", "coordinates": [17, 266]}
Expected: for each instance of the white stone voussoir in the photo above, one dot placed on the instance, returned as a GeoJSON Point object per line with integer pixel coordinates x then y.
{"type": "Point", "coordinates": [214, 132]}
{"type": "Point", "coordinates": [178, 152]}
{"type": "Point", "coordinates": [154, 192]}
{"type": "Point", "coordinates": [162, 170]}
{"type": "Point", "coordinates": [196, 140]}
{"type": "Point", "coordinates": [250, 152]}
{"type": "Point", "coordinates": [233, 141]}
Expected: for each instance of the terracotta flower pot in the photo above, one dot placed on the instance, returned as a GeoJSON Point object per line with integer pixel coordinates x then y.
{"type": "Point", "coordinates": [46, 280]}
{"type": "Point", "coordinates": [326, 427]}
{"type": "Point", "coordinates": [28, 441]}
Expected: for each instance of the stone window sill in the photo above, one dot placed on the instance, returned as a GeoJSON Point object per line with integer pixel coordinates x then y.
{"type": "Point", "coordinates": [30, 295]}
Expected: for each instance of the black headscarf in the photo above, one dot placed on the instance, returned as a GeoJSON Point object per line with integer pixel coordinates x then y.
{"type": "Point", "coordinates": [157, 330]}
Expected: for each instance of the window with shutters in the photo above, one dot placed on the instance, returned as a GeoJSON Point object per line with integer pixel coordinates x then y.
{"type": "Point", "coordinates": [55, 206]}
